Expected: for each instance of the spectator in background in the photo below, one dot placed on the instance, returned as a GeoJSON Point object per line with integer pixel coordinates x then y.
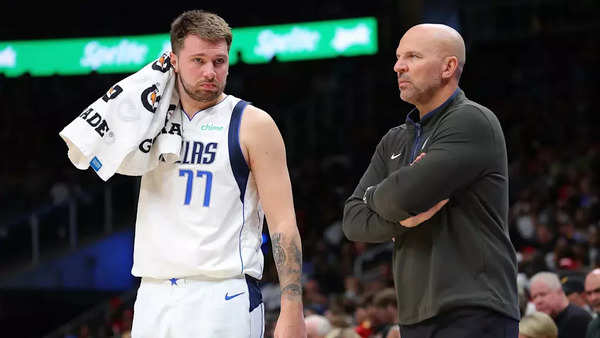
{"type": "Point", "coordinates": [573, 287]}
{"type": "Point", "coordinates": [386, 309]}
{"type": "Point", "coordinates": [525, 305]}
{"type": "Point", "coordinates": [548, 296]}
{"type": "Point", "coordinates": [592, 293]}
{"type": "Point", "coordinates": [313, 298]}
{"type": "Point", "coordinates": [352, 288]}
{"type": "Point", "coordinates": [317, 326]}
{"type": "Point", "coordinates": [394, 332]}
{"type": "Point", "coordinates": [343, 333]}
{"type": "Point", "coordinates": [341, 323]}
{"type": "Point", "coordinates": [537, 325]}
{"type": "Point", "coordinates": [365, 317]}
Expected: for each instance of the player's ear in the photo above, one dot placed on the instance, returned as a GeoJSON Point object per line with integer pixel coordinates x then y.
{"type": "Point", "coordinates": [174, 62]}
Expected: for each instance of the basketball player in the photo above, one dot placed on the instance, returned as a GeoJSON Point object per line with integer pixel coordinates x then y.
{"type": "Point", "coordinates": [199, 223]}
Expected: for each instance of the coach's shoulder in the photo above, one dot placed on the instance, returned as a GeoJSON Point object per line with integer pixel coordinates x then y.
{"type": "Point", "coordinates": [475, 120]}
{"type": "Point", "coordinates": [472, 109]}
{"type": "Point", "coordinates": [397, 129]}
{"type": "Point", "coordinates": [470, 113]}
{"type": "Point", "coordinates": [396, 132]}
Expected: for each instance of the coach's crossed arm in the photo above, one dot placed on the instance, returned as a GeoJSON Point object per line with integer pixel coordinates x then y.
{"type": "Point", "coordinates": [267, 161]}
{"type": "Point", "coordinates": [361, 223]}
{"type": "Point", "coordinates": [461, 152]}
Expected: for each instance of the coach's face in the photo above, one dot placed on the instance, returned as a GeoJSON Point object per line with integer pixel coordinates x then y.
{"type": "Point", "coordinates": [418, 66]}
{"type": "Point", "coordinates": [202, 67]}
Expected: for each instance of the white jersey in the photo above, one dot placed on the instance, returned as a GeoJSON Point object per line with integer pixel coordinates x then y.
{"type": "Point", "coordinates": [201, 216]}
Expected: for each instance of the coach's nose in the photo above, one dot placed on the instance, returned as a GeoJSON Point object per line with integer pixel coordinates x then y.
{"type": "Point", "coordinates": [400, 67]}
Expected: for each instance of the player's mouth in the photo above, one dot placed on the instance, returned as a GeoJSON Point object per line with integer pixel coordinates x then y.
{"type": "Point", "coordinates": [208, 86]}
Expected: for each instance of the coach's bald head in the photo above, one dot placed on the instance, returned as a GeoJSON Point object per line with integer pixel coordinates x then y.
{"type": "Point", "coordinates": [430, 60]}
{"type": "Point", "coordinates": [444, 40]}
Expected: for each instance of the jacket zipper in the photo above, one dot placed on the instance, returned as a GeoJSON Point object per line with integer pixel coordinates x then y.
{"type": "Point", "coordinates": [417, 141]}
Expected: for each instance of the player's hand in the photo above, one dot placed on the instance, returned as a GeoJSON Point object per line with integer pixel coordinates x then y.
{"type": "Point", "coordinates": [422, 217]}
{"type": "Point", "coordinates": [290, 323]}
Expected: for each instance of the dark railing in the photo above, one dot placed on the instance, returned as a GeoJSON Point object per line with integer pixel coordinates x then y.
{"type": "Point", "coordinates": [58, 227]}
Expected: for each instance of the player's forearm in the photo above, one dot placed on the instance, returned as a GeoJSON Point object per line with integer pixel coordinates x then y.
{"type": "Point", "coordinates": [287, 253]}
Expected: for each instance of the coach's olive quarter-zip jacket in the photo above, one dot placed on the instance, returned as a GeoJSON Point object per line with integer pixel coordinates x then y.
{"type": "Point", "coordinates": [462, 256]}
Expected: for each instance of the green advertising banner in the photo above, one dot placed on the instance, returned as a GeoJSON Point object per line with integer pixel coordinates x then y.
{"type": "Point", "coordinates": [289, 42]}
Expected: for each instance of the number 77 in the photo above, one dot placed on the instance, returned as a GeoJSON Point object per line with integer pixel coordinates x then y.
{"type": "Point", "coordinates": [190, 181]}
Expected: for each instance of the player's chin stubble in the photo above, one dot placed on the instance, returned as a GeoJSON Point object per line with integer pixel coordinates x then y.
{"type": "Point", "coordinates": [199, 95]}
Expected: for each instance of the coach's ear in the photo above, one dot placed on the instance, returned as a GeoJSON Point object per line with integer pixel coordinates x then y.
{"type": "Point", "coordinates": [174, 63]}
{"type": "Point", "coordinates": [449, 67]}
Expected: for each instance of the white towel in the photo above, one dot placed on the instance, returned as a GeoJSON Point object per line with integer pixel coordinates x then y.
{"type": "Point", "coordinates": [130, 128]}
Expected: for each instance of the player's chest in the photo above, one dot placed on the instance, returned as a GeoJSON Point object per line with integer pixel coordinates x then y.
{"type": "Point", "coordinates": [205, 143]}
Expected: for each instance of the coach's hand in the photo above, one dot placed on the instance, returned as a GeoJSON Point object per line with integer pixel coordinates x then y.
{"type": "Point", "coordinates": [291, 320]}
{"type": "Point", "coordinates": [422, 217]}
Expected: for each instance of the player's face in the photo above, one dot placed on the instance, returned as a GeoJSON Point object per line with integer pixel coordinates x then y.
{"type": "Point", "coordinates": [202, 67]}
{"type": "Point", "coordinates": [544, 298]}
{"type": "Point", "coordinates": [418, 68]}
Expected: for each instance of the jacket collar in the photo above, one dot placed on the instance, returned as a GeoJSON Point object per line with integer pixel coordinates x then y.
{"type": "Point", "coordinates": [412, 117]}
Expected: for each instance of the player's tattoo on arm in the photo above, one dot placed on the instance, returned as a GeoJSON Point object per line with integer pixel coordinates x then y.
{"type": "Point", "coordinates": [278, 252]}
{"type": "Point", "coordinates": [288, 260]}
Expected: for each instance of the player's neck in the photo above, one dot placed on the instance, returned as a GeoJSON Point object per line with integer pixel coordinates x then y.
{"type": "Point", "coordinates": [191, 106]}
